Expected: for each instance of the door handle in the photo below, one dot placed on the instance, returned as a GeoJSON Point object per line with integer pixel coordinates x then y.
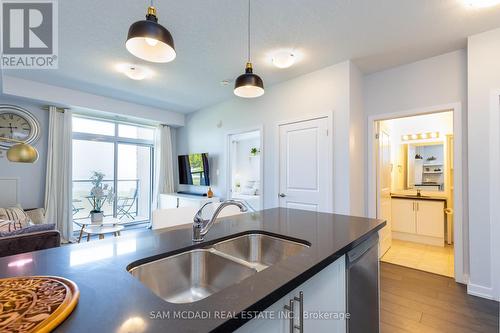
{"type": "Point", "coordinates": [282, 195]}
{"type": "Point", "coordinates": [300, 299]}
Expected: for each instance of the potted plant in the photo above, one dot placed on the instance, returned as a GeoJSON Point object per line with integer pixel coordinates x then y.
{"type": "Point", "coordinates": [99, 195]}
{"type": "Point", "coordinates": [254, 151]}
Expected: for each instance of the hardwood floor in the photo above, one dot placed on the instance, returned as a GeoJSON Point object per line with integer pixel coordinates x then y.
{"type": "Point", "coordinates": [421, 302]}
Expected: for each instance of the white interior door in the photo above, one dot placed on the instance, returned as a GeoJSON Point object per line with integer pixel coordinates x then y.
{"type": "Point", "coordinates": [384, 169]}
{"type": "Point", "coordinates": [305, 165]}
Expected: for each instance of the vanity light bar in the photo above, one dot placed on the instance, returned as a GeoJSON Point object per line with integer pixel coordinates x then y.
{"type": "Point", "coordinates": [420, 136]}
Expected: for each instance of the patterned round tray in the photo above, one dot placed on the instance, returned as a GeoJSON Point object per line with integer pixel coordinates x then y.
{"type": "Point", "coordinates": [35, 303]}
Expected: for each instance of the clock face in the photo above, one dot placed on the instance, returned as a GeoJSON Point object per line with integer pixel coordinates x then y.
{"type": "Point", "coordinates": [14, 126]}
{"type": "Point", "coordinates": [18, 124]}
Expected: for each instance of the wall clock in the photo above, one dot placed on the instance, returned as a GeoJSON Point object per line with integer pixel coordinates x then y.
{"type": "Point", "coordinates": [18, 124]}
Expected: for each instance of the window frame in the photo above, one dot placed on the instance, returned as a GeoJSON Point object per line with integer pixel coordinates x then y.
{"type": "Point", "coordinates": [116, 140]}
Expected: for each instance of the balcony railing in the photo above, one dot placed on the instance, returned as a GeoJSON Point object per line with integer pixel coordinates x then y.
{"type": "Point", "coordinates": [125, 206]}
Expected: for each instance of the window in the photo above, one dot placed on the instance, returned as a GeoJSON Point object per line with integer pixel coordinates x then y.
{"type": "Point", "coordinates": [124, 154]}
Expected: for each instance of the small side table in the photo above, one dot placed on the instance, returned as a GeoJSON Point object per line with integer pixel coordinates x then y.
{"type": "Point", "coordinates": [101, 230]}
{"type": "Point", "coordinates": [108, 221]}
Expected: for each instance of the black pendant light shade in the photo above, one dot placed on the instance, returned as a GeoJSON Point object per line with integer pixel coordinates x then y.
{"type": "Point", "coordinates": [249, 85]}
{"type": "Point", "coordinates": [149, 40]}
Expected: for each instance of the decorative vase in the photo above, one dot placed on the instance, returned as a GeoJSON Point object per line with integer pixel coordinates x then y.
{"type": "Point", "coordinates": [96, 216]}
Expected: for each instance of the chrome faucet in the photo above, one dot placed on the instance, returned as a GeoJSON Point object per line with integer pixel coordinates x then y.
{"type": "Point", "coordinates": [202, 226]}
{"type": "Point", "coordinates": [419, 193]}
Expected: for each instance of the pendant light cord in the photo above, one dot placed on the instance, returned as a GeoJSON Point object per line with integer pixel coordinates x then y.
{"type": "Point", "coordinates": [248, 30]}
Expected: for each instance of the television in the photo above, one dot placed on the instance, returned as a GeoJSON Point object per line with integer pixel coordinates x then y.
{"type": "Point", "coordinates": [194, 169]}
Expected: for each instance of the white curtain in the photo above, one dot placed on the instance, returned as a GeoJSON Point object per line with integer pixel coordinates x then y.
{"type": "Point", "coordinates": [164, 173]}
{"type": "Point", "coordinates": [58, 196]}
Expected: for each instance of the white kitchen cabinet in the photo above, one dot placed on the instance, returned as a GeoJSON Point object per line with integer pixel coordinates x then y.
{"type": "Point", "coordinates": [324, 293]}
{"type": "Point", "coordinates": [430, 218]}
{"type": "Point", "coordinates": [177, 200]}
{"type": "Point", "coordinates": [403, 216]}
{"type": "Point", "coordinates": [420, 221]}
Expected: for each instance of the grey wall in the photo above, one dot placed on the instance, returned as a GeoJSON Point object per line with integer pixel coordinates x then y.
{"type": "Point", "coordinates": [31, 176]}
{"type": "Point", "coordinates": [483, 81]}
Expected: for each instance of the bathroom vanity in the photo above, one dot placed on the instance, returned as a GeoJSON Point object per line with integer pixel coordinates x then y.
{"type": "Point", "coordinates": [419, 219]}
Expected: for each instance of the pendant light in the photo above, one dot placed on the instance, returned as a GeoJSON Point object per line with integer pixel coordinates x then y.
{"type": "Point", "coordinates": [149, 40]}
{"type": "Point", "coordinates": [249, 85]}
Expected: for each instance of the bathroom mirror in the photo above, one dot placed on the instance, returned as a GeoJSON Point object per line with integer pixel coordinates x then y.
{"type": "Point", "coordinates": [425, 166]}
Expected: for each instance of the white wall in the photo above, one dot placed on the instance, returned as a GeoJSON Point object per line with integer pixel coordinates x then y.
{"type": "Point", "coordinates": [357, 144]}
{"type": "Point", "coordinates": [440, 80]}
{"type": "Point", "coordinates": [31, 176]}
{"type": "Point", "coordinates": [82, 101]}
{"type": "Point", "coordinates": [317, 93]}
{"type": "Point", "coordinates": [484, 77]}
{"type": "Point", "coordinates": [433, 81]}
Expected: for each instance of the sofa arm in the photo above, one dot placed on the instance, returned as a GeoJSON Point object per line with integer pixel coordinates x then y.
{"type": "Point", "coordinates": [34, 241]}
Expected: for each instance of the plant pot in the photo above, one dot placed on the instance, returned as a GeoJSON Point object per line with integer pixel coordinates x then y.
{"type": "Point", "coordinates": [96, 217]}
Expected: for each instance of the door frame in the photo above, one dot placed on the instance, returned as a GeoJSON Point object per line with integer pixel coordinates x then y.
{"type": "Point", "coordinates": [259, 128]}
{"type": "Point", "coordinates": [377, 184]}
{"type": "Point", "coordinates": [460, 221]}
{"type": "Point", "coordinates": [494, 192]}
{"type": "Point", "coordinates": [330, 166]}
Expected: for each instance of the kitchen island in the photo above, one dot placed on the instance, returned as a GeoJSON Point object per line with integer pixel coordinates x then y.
{"type": "Point", "coordinates": [113, 300]}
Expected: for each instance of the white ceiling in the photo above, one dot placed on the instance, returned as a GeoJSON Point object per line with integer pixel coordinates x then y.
{"type": "Point", "coordinates": [210, 39]}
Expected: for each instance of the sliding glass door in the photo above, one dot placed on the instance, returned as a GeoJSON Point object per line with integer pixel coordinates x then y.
{"type": "Point", "coordinates": [124, 154]}
{"type": "Point", "coordinates": [134, 182]}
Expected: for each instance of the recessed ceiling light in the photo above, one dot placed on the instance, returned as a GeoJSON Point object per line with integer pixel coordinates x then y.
{"type": "Point", "coordinates": [135, 72]}
{"type": "Point", "coordinates": [481, 3]}
{"type": "Point", "coordinates": [283, 59]}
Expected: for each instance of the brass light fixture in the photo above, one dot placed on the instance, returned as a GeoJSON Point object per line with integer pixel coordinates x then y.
{"type": "Point", "coordinates": [21, 152]}
{"type": "Point", "coordinates": [249, 85]}
{"type": "Point", "coordinates": [149, 40]}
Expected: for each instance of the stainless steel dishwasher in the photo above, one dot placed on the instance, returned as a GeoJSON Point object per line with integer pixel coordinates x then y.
{"type": "Point", "coordinates": [363, 287]}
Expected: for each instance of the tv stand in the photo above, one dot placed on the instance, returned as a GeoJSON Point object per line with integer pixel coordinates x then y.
{"type": "Point", "coordinates": [178, 200]}
{"type": "Point", "coordinates": [192, 193]}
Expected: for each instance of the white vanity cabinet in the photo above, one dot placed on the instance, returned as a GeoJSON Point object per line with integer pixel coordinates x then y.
{"type": "Point", "coordinates": [419, 221]}
{"type": "Point", "coordinates": [323, 294]}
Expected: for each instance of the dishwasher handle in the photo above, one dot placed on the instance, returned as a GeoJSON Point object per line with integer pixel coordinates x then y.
{"type": "Point", "coordinates": [360, 250]}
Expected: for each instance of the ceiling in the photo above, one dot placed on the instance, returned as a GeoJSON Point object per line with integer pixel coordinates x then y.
{"type": "Point", "coordinates": [210, 40]}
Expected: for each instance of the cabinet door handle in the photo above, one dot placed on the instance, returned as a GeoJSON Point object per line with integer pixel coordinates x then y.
{"type": "Point", "coordinates": [289, 308]}
{"type": "Point", "coordinates": [300, 299]}
{"type": "Point", "coordinates": [418, 206]}
{"type": "Point", "coordinates": [413, 207]}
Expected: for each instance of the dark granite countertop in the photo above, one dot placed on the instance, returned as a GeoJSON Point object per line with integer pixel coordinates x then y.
{"type": "Point", "coordinates": [112, 300]}
{"type": "Point", "coordinates": [416, 197]}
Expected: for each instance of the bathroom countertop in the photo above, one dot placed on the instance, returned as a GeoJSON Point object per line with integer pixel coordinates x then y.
{"type": "Point", "coordinates": [112, 300]}
{"type": "Point", "coordinates": [426, 195]}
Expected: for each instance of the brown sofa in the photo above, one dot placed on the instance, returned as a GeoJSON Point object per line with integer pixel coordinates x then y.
{"type": "Point", "coordinates": [32, 238]}
{"type": "Point", "coordinates": [33, 241]}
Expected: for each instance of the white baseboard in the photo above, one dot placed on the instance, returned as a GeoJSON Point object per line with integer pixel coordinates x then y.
{"type": "Point", "coordinates": [480, 291]}
{"type": "Point", "coordinates": [435, 241]}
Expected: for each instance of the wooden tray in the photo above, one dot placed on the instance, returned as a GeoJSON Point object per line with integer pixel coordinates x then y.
{"type": "Point", "coordinates": [35, 303]}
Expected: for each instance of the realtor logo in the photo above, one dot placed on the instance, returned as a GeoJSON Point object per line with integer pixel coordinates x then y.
{"type": "Point", "coordinates": [29, 34]}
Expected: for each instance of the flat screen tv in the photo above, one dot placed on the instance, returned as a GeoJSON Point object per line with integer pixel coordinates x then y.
{"type": "Point", "coordinates": [194, 170]}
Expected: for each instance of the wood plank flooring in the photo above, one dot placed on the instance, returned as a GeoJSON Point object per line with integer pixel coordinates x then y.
{"type": "Point", "coordinates": [414, 301]}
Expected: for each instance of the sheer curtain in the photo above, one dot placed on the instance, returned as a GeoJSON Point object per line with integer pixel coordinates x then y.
{"type": "Point", "coordinates": [164, 173]}
{"type": "Point", "coordinates": [58, 196]}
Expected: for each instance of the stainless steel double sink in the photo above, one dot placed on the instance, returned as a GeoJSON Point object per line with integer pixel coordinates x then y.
{"type": "Point", "coordinates": [196, 274]}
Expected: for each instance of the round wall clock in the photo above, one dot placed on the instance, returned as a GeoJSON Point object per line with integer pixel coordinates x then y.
{"type": "Point", "coordinates": [18, 124]}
